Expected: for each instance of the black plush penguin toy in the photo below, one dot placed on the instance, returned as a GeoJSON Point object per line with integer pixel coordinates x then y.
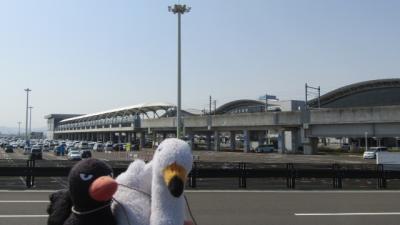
{"type": "Point", "coordinates": [91, 188]}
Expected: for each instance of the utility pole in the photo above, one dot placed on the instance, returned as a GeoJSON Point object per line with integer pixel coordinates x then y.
{"type": "Point", "coordinates": [179, 9]}
{"type": "Point", "coordinates": [26, 119]}
{"type": "Point", "coordinates": [318, 89]}
{"type": "Point", "coordinates": [30, 121]}
{"type": "Point", "coordinates": [209, 105]}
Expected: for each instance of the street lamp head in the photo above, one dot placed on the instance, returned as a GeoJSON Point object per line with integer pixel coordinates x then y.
{"type": "Point", "coordinates": [180, 9]}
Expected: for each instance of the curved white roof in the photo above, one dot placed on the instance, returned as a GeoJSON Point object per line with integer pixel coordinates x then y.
{"type": "Point", "coordinates": [139, 108]}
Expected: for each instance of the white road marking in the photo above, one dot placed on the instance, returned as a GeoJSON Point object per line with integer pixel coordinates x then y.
{"type": "Point", "coordinates": [23, 201]}
{"type": "Point", "coordinates": [23, 216]}
{"type": "Point", "coordinates": [348, 214]}
{"type": "Point", "coordinates": [27, 191]}
{"type": "Point", "coordinates": [293, 191]}
{"type": "Point", "coordinates": [246, 191]}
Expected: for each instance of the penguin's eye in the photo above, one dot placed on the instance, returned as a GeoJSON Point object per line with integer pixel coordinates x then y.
{"type": "Point", "coordinates": [111, 174]}
{"type": "Point", "coordinates": [85, 176]}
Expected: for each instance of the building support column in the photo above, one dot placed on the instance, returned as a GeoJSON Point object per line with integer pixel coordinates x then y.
{"type": "Point", "coordinates": [208, 141]}
{"type": "Point", "coordinates": [129, 135]}
{"type": "Point", "coordinates": [142, 139]}
{"type": "Point", "coordinates": [217, 144]}
{"type": "Point", "coordinates": [246, 139]}
{"type": "Point", "coordinates": [281, 141]}
{"type": "Point", "coordinates": [232, 140]}
{"type": "Point", "coordinates": [311, 146]}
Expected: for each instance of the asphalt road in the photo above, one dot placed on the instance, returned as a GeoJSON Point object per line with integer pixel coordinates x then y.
{"type": "Point", "coordinates": [245, 207]}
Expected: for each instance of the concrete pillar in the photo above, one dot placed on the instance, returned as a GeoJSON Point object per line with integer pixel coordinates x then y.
{"type": "Point", "coordinates": [164, 135]}
{"type": "Point", "coordinates": [281, 141]}
{"type": "Point", "coordinates": [311, 146]}
{"type": "Point", "coordinates": [232, 140]}
{"type": "Point", "coordinates": [208, 141]}
{"type": "Point", "coordinates": [111, 137]}
{"type": "Point", "coordinates": [246, 139]}
{"type": "Point", "coordinates": [261, 137]}
{"type": "Point", "coordinates": [119, 137]}
{"type": "Point", "coordinates": [129, 137]}
{"type": "Point", "coordinates": [217, 144]}
{"type": "Point", "coordinates": [154, 139]}
{"type": "Point", "coordinates": [142, 139]}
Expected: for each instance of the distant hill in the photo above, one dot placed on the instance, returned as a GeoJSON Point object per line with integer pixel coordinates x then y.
{"type": "Point", "coordinates": [14, 130]}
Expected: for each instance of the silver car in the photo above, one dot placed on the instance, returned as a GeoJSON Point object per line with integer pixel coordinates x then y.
{"type": "Point", "coordinates": [74, 154]}
{"type": "Point", "coordinates": [371, 152]}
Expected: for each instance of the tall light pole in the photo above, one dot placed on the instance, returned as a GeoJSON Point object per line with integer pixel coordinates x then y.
{"type": "Point", "coordinates": [26, 119]}
{"type": "Point", "coordinates": [19, 129]}
{"type": "Point", "coordinates": [179, 9]}
{"type": "Point", "coordinates": [30, 121]}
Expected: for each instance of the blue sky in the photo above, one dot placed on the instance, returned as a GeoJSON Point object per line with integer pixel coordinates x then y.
{"type": "Point", "coordinates": [87, 56]}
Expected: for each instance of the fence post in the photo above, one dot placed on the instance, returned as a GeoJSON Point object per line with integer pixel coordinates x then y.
{"type": "Point", "coordinates": [192, 182]}
{"type": "Point", "coordinates": [381, 176]}
{"type": "Point", "coordinates": [30, 179]}
{"type": "Point", "coordinates": [244, 176]}
{"type": "Point", "coordinates": [290, 176]}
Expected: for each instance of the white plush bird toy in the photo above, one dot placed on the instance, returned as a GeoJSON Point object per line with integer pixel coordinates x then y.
{"type": "Point", "coordinates": [132, 201]}
{"type": "Point", "coordinates": [152, 194]}
{"type": "Point", "coordinates": [171, 164]}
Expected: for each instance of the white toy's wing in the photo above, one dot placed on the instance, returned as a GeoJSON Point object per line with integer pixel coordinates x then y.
{"type": "Point", "coordinates": [132, 199]}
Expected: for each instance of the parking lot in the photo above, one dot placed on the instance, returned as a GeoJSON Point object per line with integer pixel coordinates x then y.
{"type": "Point", "coordinates": [210, 156]}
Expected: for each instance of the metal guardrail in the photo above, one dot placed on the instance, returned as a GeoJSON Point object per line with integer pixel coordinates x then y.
{"type": "Point", "coordinates": [240, 170]}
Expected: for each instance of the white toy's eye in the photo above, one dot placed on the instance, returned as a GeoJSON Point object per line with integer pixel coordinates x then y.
{"type": "Point", "coordinates": [159, 149]}
{"type": "Point", "coordinates": [85, 176]}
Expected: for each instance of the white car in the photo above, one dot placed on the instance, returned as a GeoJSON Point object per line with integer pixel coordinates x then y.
{"type": "Point", "coordinates": [27, 150]}
{"type": "Point", "coordinates": [371, 152]}
{"type": "Point", "coordinates": [74, 154]}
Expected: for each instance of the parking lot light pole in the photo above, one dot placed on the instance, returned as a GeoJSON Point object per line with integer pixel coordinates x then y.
{"type": "Point", "coordinates": [30, 121]}
{"type": "Point", "coordinates": [26, 119]}
{"type": "Point", "coordinates": [179, 9]}
{"type": "Point", "coordinates": [366, 141]}
{"type": "Point", "coordinates": [19, 129]}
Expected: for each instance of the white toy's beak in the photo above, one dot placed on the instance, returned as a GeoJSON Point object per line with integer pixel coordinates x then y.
{"type": "Point", "coordinates": [175, 176]}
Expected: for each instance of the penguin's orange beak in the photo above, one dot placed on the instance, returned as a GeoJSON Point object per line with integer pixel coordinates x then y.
{"type": "Point", "coordinates": [103, 188]}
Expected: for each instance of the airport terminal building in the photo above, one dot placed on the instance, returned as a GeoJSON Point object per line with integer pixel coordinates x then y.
{"type": "Point", "coordinates": [370, 108]}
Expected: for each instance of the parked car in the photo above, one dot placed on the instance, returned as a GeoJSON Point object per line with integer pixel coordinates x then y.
{"type": "Point", "coordinates": [74, 154]}
{"type": "Point", "coordinates": [98, 147]}
{"type": "Point", "coordinates": [83, 145]}
{"type": "Point", "coordinates": [265, 148]}
{"type": "Point", "coordinates": [108, 147]}
{"type": "Point", "coordinates": [46, 147]}
{"type": "Point", "coordinates": [118, 147]}
{"type": "Point", "coordinates": [27, 150]}
{"type": "Point", "coordinates": [57, 150]}
{"type": "Point", "coordinates": [36, 153]}
{"type": "Point", "coordinates": [371, 152]}
{"type": "Point", "coordinates": [9, 149]}
{"type": "Point", "coordinates": [86, 154]}
{"type": "Point", "coordinates": [91, 145]}
{"type": "Point", "coordinates": [345, 147]}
